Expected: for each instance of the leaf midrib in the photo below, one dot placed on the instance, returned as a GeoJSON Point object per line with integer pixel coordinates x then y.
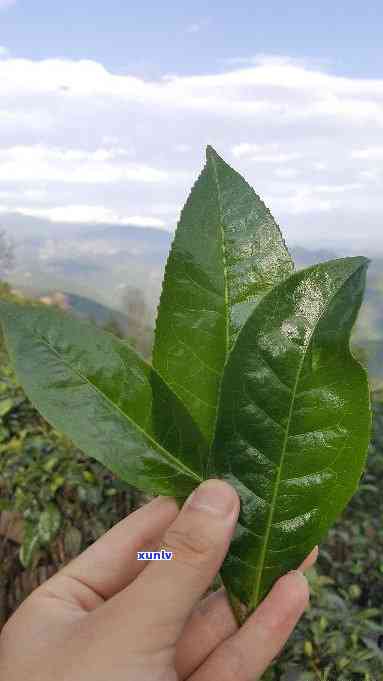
{"type": "Point", "coordinates": [226, 308]}
{"type": "Point", "coordinates": [257, 587]}
{"type": "Point", "coordinates": [254, 600]}
{"type": "Point", "coordinates": [167, 455]}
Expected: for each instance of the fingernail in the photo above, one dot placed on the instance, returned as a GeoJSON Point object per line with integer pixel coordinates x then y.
{"type": "Point", "coordinates": [300, 577]}
{"type": "Point", "coordinates": [214, 496]}
{"type": "Point", "coordinates": [298, 574]}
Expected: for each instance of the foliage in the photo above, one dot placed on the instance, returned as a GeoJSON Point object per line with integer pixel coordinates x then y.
{"type": "Point", "coordinates": [113, 327]}
{"type": "Point", "coordinates": [252, 381]}
{"type": "Point", "coordinates": [45, 479]}
{"type": "Point", "coordinates": [346, 588]}
{"type": "Point", "coordinates": [334, 641]}
{"type": "Point", "coordinates": [341, 636]}
{"type": "Point", "coordinates": [140, 333]}
{"type": "Point", "coordinates": [227, 253]}
{"type": "Point", "coordinates": [7, 256]}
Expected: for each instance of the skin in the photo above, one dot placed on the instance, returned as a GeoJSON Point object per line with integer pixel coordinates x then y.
{"type": "Point", "coordinates": [108, 616]}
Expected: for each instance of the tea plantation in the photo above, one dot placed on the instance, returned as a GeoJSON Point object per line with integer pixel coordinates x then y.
{"type": "Point", "coordinates": [61, 501]}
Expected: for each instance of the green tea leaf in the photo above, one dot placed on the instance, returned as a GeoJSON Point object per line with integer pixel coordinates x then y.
{"type": "Point", "coordinates": [6, 406]}
{"type": "Point", "coordinates": [31, 544]}
{"type": "Point", "coordinates": [5, 505]}
{"type": "Point", "coordinates": [227, 253]}
{"type": "Point", "coordinates": [99, 392]}
{"type": "Point", "coordinates": [72, 541]}
{"type": "Point", "coordinates": [294, 423]}
{"type": "Point", "coordinates": [49, 523]}
{"type": "Point", "coordinates": [253, 382]}
{"type": "Point", "coordinates": [57, 482]}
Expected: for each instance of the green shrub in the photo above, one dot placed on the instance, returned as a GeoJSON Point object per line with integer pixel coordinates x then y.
{"type": "Point", "coordinates": [57, 490]}
{"type": "Point", "coordinates": [45, 479]}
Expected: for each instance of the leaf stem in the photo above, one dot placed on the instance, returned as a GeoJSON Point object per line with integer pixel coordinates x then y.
{"type": "Point", "coordinates": [240, 611]}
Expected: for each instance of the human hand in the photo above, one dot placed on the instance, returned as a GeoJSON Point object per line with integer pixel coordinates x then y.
{"type": "Point", "coordinates": [107, 616]}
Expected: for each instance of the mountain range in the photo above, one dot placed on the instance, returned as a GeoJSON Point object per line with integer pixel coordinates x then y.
{"type": "Point", "coordinates": [99, 265]}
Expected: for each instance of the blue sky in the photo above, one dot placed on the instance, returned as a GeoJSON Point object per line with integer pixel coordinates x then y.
{"type": "Point", "coordinates": [106, 108]}
{"type": "Point", "coordinates": [196, 37]}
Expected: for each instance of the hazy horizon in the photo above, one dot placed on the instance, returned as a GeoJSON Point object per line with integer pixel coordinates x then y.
{"type": "Point", "coordinates": [296, 230]}
{"type": "Point", "coordinates": [104, 125]}
{"type": "Point", "coordinates": [114, 131]}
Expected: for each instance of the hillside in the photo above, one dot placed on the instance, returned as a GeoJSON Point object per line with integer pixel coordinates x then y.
{"type": "Point", "coordinates": [95, 262]}
{"type": "Point", "coordinates": [96, 265]}
{"type": "Point", "coordinates": [80, 306]}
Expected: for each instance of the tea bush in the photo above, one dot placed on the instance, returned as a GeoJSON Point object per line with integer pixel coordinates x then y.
{"type": "Point", "coordinates": [63, 495]}
{"type": "Point", "coordinates": [46, 480]}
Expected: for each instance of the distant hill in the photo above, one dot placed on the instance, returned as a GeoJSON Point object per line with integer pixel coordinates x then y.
{"type": "Point", "coordinates": [94, 264]}
{"type": "Point", "coordinates": [303, 257]}
{"type": "Point", "coordinates": [101, 314]}
{"type": "Point", "coordinates": [367, 337]}
{"type": "Point", "coordinates": [80, 306]}
{"type": "Point", "coordinates": [146, 238]}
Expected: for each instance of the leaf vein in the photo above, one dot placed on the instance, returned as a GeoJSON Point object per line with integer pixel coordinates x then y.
{"type": "Point", "coordinates": [114, 407]}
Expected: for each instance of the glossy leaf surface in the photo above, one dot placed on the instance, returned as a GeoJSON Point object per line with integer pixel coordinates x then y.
{"type": "Point", "coordinates": [227, 253]}
{"type": "Point", "coordinates": [99, 392]}
{"type": "Point", "coordinates": [253, 382]}
{"type": "Point", "coordinates": [294, 421]}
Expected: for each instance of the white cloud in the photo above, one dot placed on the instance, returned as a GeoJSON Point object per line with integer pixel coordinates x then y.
{"type": "Point", "coordinates": [370, 175]}
{"type": "Point", "coordinates": [88, 214]}
{"type": "Point", "coordinates": [4, 4]}
{"type": "Point", "coordinates": [182, 148]}
{"type": "Point", "coordinates": [38, 162]}
{"type": "Point", "coordinates": [286, 173]}
{"type": "Point", "coordinates": [78, 142]}
{"type": "Point", "coordinates": [374, 153]}
{"type": "Point", "coordinates": [198, 26]}
{"type": "Point", "coordinates": [144, 221]}
{"type": "Point", "coordinates": [337, 189]}
{"type": "Point", "coordinates": [302, 201]}
{"type": "Point", "coordinates": [4, 52]}
{"type": "Point", "coordinates": [194, 28]}
{"type": "Point", "coordinates": [263, 153]}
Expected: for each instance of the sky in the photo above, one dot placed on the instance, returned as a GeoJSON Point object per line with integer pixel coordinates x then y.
{"type": "Point", "coordinates": [106, 108]}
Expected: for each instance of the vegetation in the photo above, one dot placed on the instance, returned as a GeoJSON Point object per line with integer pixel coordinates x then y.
{"type": "Point", "coordinates": [341, 636]}
{"type": "Point", "coordinates": [67, 501]}
{"type": "Point", "coordinates": [252, 381]}
{"type": "Point", "coordinates": [64, 500]}
{"type": "Point", "coordinates": [6, 253]}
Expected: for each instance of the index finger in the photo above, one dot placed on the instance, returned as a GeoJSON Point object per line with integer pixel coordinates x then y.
{"type": "Point", "coordinates": [110, 564]}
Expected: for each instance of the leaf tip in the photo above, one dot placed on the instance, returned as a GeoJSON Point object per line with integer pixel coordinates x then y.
{"type": "Point", "coordinates": [362, 261]}
{"type": "Point", "coordinates": [211, 153]}
{"type": "Point", "coordinates": [355, 263]}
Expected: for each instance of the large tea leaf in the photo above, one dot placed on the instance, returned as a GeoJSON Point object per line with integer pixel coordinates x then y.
{"type": "Point", "coordinates": [294, 421]}
{"type": "Point", "coordinates": [99, 392]}
{"type": "Point", "coordinates": [226, 254]}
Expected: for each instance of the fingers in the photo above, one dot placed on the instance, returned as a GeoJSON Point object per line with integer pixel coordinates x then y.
{"type": "Point", "coordinates": [310, 560]}
{"type": "Point", "coordinates": [110, 564]}
{"type": "Point", "coordinates": [165, 591]}
{"type": "Point", "coordinates": [211, 622]}
{"type": "Point", "coordinates": [245, 655]}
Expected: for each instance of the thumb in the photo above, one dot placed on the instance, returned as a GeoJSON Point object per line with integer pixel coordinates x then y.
{"type": "Point", "coordinates": [166, 591]}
